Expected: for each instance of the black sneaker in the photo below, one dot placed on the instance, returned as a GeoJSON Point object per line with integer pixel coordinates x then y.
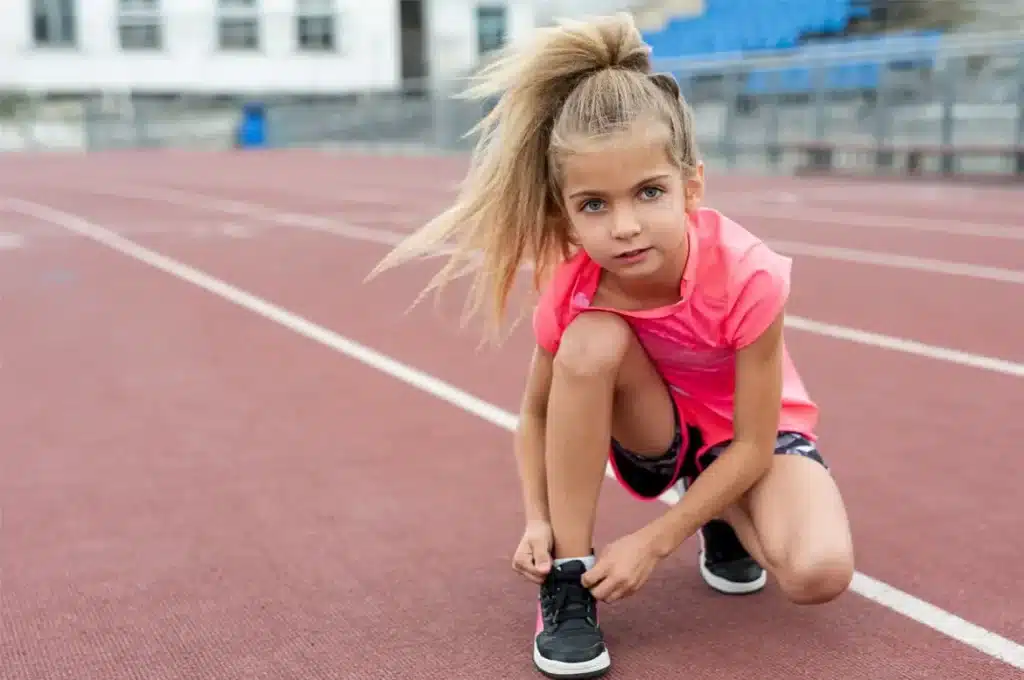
{"type": "Point", "coordinates": [725, 564]}
{"type": "Point", "coordinates": [568, 642]}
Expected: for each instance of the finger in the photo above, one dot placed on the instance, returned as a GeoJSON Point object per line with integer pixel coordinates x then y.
{"type": "Point", "coordinates": [523, 563]}
{"type": "Point", "coordinates": [606, 591]}
{"type": "Point", "coordinates": [534, 574]}
{"type": "Point", "coordinates": [619, 591]}
{"type": "Point", "coordinates": [604, 587]}
{"type": "Point", "coordinates": [591, 577]}
{"type": "Point", "coordinates": [541, 557]}
{"type": "Point", "coordinates": [532, 577]}
{"type": "Point", "coordinates": [529, 573]}
{"type": "Point", "coordinates": [623, 592]}
{"type": "Point", "coordinates": [616, 595]}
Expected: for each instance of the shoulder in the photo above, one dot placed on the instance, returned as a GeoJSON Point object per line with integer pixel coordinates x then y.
{"type": "Point", "coordinates": [746, 259]}
{"type": "Point", "coordinates": [730, 252]}
{"type": "Point", "coordinates": [750, 280]}
{"type": "Point", "coordinates": [554, 306]}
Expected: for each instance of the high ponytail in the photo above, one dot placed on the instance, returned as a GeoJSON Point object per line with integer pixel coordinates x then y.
{"type": "Point", "coordinates": [570, 83]}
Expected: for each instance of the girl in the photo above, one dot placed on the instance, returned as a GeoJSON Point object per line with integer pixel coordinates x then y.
{"type": "Point", "coordinates": [659, 341]}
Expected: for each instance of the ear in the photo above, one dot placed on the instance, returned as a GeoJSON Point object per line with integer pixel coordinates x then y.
{"type": "Point", "coordinates": [694, 187]}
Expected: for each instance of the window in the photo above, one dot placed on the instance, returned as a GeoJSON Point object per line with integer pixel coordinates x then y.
{"type": "Point", "coordinates": [54, 23]}
{"type": "Point", "coordinates": [491, 28]}
{"type": "Point", "coordinates": [238, 25]}
{"type": "Point", "coordinates": [316, 26]}
{"type": "Point", "coordinates": [139, 25]}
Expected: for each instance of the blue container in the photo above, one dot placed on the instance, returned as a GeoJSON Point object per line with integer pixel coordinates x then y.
{"type": "Point", "coordinates": [252, 128]}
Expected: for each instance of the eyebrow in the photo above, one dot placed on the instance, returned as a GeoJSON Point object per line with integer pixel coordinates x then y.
{"type": "Point", "coordinates": [646, 180]}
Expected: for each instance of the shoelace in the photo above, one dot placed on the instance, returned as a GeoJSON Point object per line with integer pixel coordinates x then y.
{"type": "Point", "coordinates": [570, 600]}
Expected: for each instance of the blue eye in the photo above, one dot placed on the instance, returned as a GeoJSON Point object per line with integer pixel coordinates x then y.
{"type": "Point", "coordinates": [591, 205]}
{"type": "Point", "coordinates": [651, 193]}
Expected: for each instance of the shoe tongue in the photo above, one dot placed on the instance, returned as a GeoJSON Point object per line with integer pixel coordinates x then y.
{"type": "Point", "coordinates": [574, 568]}
{"type": "Point", "coordinates": [570, 574]}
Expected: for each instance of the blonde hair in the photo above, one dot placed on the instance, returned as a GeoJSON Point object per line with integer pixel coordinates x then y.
{"type": "Point", "coordinates": [574, 83]}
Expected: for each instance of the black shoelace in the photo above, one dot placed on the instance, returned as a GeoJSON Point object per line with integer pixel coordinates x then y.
{"type": "Point", "coordinates": [568, 599]}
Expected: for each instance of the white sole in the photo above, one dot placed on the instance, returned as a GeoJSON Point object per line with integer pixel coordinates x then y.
{"type": "Point", "coordinates": [572, 671]}
{"type": "Point", "coordinates": [731, 587]}
{"type": "Point", "coordinates": [728, 587]}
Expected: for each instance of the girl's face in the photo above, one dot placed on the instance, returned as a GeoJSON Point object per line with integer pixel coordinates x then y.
{"type": "Point", "coordinates": [627, 205]}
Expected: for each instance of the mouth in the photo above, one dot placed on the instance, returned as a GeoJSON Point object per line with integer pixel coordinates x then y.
{"type": "Point", "coordinates": [629, 254]}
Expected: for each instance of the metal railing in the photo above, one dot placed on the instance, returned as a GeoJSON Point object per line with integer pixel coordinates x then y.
{"type": "Point", "coordinates": [965, 93]}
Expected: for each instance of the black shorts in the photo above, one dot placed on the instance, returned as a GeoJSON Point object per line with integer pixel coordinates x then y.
{"type": "Point", "coordinates": [649, 477]}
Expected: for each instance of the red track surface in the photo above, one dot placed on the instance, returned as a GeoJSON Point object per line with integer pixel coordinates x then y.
{"type": "Point", "coordinates": [181, 477]}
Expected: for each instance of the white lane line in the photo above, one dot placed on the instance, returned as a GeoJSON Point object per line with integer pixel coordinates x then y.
{"type": "Point", "coordinates": [904, 197]}
{"type": "Point", "coordinates": [955, 627]}
{"type": "Point", "coordinates": [755, 211]}
{"type": "Point", "coordinates": [849, 219]}
{"type": "Point", "coordinates": [904, 346]}
{"type": "Point", "coordinates": [920, 264]}
{"type": "Point", "coordinates": [388, 237]}
{"type": "Point", "coordinates": [10, 240]}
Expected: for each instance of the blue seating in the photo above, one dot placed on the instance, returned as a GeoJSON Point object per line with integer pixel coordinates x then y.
{"type": "Point", "coordinates": [744, 28]}
{"type": "Point", "coordinates": [749, 25]}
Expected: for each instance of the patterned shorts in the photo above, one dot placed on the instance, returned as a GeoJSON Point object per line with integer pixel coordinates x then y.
{"type": "Point", "coordinates": [649, 477]}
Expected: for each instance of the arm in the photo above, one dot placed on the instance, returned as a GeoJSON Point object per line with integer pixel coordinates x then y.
{"type": "Point", "coordinates": [529, 439]}
{"type": "Point", "coordinates": [748, 457]}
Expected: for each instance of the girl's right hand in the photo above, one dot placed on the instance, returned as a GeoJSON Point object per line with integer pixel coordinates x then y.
{"type": "Point", "coordinates": [533, 555]}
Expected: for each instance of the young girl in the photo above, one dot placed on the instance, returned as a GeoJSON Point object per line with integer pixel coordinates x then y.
{"type": "Point", "coordinates": [659, 341]}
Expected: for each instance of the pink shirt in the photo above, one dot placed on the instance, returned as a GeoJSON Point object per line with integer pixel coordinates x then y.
{"type": "Point", "coordinates": [733, 287]}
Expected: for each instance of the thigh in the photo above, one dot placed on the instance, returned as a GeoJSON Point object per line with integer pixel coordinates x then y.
{"type": "Point", "coordinates": [644, 415]}
{"type": "Point", "coordinates": [800, 523]}
{"type": "Point", "coordinates": [797, 510]}
{"type": "Point", "coordinates": [650, 441]}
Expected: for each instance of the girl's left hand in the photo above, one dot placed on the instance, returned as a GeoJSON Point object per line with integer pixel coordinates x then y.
{"type": "Point", "coordinates": [622, 568]}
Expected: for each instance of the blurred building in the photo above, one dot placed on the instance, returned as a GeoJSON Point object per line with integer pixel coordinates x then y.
{"type": "Point", "coordinates": [317, 47]}
{"type": "Point", "coordinates": [304, 47]}
{"type": "Point", "coordinates": [771, 80]}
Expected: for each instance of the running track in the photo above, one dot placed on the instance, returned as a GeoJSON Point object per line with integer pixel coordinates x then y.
{"type": "Point", "coordinates": [216, 467]}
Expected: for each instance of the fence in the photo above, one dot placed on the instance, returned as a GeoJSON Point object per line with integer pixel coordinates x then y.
{"type": "Point", "coordinates": [918, 107]}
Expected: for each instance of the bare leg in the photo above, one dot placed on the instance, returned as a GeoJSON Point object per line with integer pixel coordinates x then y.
{"type": "Point", "coordinates": [603, 385]}
{"type": "Point", "coordinates": [794, 523]}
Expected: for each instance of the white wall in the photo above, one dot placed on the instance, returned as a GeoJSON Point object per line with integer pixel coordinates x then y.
{"type": "Point", "coordinates": [453, 44]}
{"type": "Point", "coordinates": [190, 62]}
{"type": "Point", "coordinates": [550, 10]}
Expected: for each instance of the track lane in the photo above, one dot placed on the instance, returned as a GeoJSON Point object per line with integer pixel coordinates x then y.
{"type": "Point", "coordinates": [949, 311]}
{"type": "Point", "coordinates": [934, 307]}
{"type": "Point", "coordinates": [902, 429]}
{"type": "Point", "coordinates": [965, 248]}
{"type": "Point", "coordinates": [279, 548]}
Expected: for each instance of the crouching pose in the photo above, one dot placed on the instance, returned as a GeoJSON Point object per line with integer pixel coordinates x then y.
{"type": "Point", "coordinates": [659, 334]}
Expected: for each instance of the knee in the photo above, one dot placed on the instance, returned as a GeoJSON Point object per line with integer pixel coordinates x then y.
{"type": "Point", "coordinates": [817, 577]}
{"type": "Point", "coordinates": [593, 345]}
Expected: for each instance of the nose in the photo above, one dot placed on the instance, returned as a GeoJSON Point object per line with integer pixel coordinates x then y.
{"type": "Point", "coordinates": [625, 225]}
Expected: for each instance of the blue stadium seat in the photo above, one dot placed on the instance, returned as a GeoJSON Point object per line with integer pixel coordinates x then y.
{"type": "Point", "coordinates": [749, 27]}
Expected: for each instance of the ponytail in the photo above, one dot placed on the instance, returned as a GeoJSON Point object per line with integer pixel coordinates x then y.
{"type": "Point", "coordinates": [571, 82]}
